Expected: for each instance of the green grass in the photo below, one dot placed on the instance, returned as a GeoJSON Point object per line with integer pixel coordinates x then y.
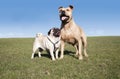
{"type": "Point", "coordinates": [103, 61]}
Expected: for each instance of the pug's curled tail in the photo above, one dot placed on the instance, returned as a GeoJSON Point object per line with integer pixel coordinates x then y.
{"type": "Point", "coordinates": [38, 34]}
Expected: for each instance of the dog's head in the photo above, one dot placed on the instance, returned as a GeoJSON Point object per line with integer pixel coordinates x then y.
{"type": "Point", "coordinates": [65, 13]}
{"type": "Point", "coordinates": [54, 32]}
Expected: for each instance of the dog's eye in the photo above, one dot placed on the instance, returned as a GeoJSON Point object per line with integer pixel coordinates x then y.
{"type": "Point", "coordinates": [60, 11]}
{"type": "Point", "coordinates": [68, 10]}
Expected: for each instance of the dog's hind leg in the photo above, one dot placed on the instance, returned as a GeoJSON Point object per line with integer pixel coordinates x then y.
{"type": "Point", "coordinates": [84, 43]}
{"type": "Point", "coordinates": [76, 47]}
{"type": "Point", "coordinates": [35, 48]}
{"type": "Point", "coordinates": [39, 53]}
{"type": "Point", "coordinates": [84, 50]}
{"type": "Point", "coordinates": [32, 55]}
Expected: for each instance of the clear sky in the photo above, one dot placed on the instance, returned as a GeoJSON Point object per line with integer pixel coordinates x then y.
{"type": "Point", "coordinates": [25, 18]}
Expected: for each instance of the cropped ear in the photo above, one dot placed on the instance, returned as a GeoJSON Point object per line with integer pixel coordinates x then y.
{"type": "Point", "coordinates": [71, 7]}
{"type": "Point", "coordinates": [60, 7]}
{"type": "Point", "coordinates": [49, 32]}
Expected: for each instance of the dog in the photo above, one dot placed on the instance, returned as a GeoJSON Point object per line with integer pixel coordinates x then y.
{"type": "Point", "coordinates": [50, 43]}
{"type": "Point", "coordinates": [71, 32]}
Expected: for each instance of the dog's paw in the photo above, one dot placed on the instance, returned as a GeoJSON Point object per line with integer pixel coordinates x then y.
{"type": "Point", "coordinates": [80, 58]}
{"type": "Point", "coordinates": [57, 58]}
{"type": "Point", "coordinates": [86, 55]}
{"type": "Point", "coordinates": [61, 57]}
{"type": "Point", "coordinates": [32, 57]}
{"type": "Point", "coordinates": [53, 59]}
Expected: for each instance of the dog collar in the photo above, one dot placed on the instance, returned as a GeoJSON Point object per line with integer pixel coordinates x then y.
{"type": "Point", "coordinates": [53, 43]}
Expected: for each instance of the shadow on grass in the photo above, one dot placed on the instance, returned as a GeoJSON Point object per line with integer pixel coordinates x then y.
{"type": "Point", "coordinates": [70, 53]}
{"type": "Point", "coordinates": [47, 55]}
{"type": "Point", "coordinates": [66, 52]}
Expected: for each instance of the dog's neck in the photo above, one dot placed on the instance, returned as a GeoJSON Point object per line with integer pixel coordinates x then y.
{"type": "Point", "coordinates": [53, 39]}
{"type": "Point", "coordinates": [67, 24]}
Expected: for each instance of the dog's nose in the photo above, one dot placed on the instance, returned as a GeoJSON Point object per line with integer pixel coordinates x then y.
{"type": "Point", "coordinates": [63, 12]}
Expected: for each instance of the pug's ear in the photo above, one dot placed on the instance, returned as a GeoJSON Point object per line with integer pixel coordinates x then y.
{"type": "Point", "coordinates": [71, 7]}
{"type": "Point", "coordinates": [49, 32]}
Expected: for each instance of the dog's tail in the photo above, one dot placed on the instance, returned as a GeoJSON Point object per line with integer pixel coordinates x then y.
{"type": "Point", "coordinates": [38, 34]}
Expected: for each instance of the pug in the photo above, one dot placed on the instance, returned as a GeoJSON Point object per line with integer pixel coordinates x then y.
{"type": "Point", "coordinates": [51, 43]}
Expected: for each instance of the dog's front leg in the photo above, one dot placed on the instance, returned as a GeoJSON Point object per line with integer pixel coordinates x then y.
{"type": "Point", "coordinates": [39, 54]}
{"type": "Point", "coordinates": [80, 50]}
{"type": "Point", "coordinates": [56, 53]}
{"type": "Point", "coordinates": [62, 49]}
{"type": "Point", "coordinates": [52, 54]}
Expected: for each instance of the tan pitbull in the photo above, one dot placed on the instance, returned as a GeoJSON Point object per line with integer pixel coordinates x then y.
{"type": "Point", "coordinates": [71, 33]}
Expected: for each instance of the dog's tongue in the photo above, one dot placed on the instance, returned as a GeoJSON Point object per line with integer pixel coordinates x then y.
{"type": "Point", "coordinates": [63, 18]}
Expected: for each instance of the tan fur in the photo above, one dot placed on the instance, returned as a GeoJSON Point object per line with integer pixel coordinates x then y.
{"type": "Point", "coordinates": [72, 33]}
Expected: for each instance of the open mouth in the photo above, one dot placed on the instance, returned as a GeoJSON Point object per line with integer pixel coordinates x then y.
{"type": "Point", "coordinates": [64, 17]}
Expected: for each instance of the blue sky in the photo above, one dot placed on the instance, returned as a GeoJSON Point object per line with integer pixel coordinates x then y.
{"type": "Point", "coordinates": [25, 18]}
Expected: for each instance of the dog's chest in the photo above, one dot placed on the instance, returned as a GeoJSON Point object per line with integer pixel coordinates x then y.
{"type": "Point", "coordinates": [68, 36]}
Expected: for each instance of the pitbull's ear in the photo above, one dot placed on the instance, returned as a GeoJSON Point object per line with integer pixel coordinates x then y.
{"type": "Point", "coordinates": [60, 7]}
{"type": "Point", "coordinates": [49, 32]}
{"type": "Point", "coordinates": [71, 7]}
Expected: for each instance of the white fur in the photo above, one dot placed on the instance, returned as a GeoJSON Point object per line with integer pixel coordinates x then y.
{"type": "Point", "coordinates": [42, 41]}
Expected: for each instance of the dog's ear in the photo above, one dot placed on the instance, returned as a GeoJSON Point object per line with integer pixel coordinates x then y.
{"type": "Point", "coordinates": [49, 32]}
{"type": "Point", "coordinates": [71, 7]}
{"type": "Point", "coordinates": [60, 7]}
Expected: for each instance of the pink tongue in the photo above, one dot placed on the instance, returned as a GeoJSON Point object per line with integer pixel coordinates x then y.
{"type": "Point", "coordinates": [63, 18]}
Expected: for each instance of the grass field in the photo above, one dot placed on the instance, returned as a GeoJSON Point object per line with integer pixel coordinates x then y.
{"type": "Point", "coordinates": [103, 61]}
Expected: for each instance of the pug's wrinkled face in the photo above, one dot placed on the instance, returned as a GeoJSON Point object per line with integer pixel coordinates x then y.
{"type": "Point", "coordinates": [54, 32]}
{"type": "Point", "coordinates": [65, 13]}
